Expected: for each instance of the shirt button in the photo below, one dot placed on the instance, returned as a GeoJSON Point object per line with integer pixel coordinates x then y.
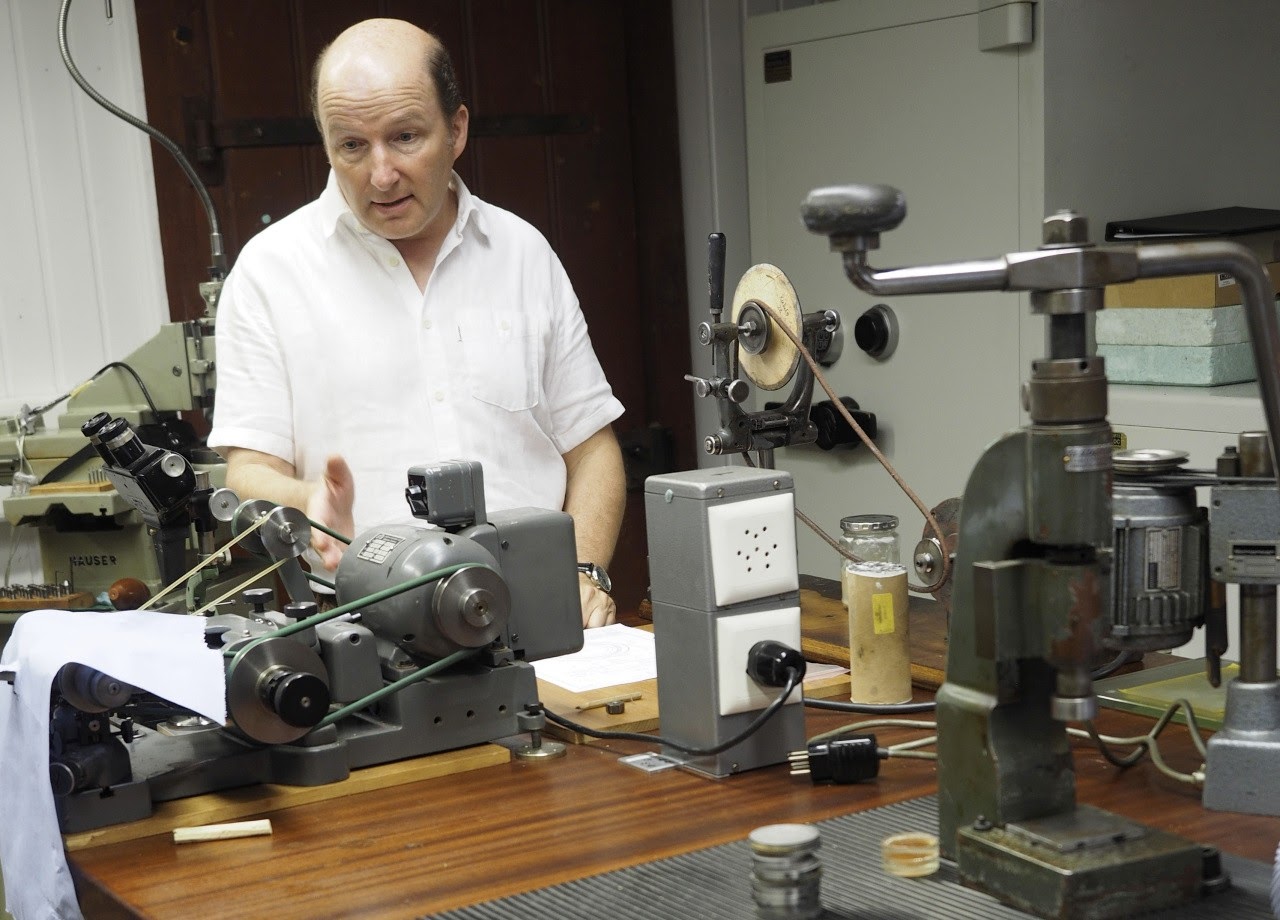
{"type": "Point", "coordinates": [426, 324]}
{"type": "Point", "coordinates": [504, 325]}
{"type": "Point", "coordinates": [439, 395]}
{"type": "Point", "coordinates": [394, 262]}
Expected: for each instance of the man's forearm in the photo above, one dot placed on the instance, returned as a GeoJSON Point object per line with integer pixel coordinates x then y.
{"type": "Point", "coordinates": [251, 474]}
{"type": "Point", "coordinates": [595, 495]}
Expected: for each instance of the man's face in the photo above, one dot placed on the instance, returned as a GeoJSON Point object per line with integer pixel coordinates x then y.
{"type": "Point", "coordinates": [392, 150]}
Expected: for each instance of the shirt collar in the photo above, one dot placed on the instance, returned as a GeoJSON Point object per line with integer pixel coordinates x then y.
{"type": "Point", "coordinates": [334, 210]}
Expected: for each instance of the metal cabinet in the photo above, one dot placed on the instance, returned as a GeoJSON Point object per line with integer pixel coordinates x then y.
{"type": "Point", "coordinates": [988, 116]}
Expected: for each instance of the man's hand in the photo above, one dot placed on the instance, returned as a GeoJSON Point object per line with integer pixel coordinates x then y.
{"type": "Point", "coordinates": [332, 498]}
{"type": "Point", "coordinates": [598, 608]}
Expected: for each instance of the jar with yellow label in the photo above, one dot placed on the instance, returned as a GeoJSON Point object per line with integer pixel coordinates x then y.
{"type": "Point", "coordinates": [875, 592]}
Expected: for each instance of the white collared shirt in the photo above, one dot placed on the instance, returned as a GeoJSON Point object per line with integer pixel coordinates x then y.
{"type": "Point", "coordinates": [326, 346]}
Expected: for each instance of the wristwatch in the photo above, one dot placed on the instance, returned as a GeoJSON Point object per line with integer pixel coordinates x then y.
{"type": "Point", "coordinates": [596, 575]}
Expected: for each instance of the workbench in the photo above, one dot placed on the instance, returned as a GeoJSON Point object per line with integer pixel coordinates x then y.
{"type": "Point", "coordinates": [432, 845]}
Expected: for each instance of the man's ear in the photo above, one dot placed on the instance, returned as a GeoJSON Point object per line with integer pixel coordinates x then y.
{"type": "Point", "coordinates": [458, 125]}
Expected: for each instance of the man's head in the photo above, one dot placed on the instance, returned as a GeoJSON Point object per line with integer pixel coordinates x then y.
{"type": "Point", "coordinates": [392, 120]}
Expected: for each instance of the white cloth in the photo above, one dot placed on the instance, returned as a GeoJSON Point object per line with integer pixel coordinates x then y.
{"type": "Point", "coordinates": [326, 346]}
{"type": "Point", "coordinates": [160, 652]}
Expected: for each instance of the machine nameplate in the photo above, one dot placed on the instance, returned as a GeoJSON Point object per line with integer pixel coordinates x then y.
{"type": "Point", "coordinates": [378, 549]}
{"type": "Point", "coordinates": [1087, 458]}
{"type": "Point", "coordinates": [1164, 558]}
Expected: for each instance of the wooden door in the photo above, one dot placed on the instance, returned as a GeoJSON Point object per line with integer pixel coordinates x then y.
{"type": "Point", "coordinates": [593, 163]}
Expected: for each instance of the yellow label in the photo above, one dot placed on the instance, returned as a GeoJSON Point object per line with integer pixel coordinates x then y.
{"type": "Point", "coordinates": [882, 613]}
{"type": "Point", "coordinates": [1119, 440]}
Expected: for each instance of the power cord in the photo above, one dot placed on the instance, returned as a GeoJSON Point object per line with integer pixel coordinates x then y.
{"type": "Point", "coordinates": [768, 662]}
{"type": "Point", "coordinates": [756, 724]}
{"type": "Point", "coordinates": [1148, 744]}
{"type": "Point", "coordinates": [850, 754]}
{"type": "Point", "coordinates": [871, 709]}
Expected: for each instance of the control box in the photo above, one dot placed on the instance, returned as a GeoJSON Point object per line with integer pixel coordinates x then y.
{"type": "Point", "coordinates": [723, 576]}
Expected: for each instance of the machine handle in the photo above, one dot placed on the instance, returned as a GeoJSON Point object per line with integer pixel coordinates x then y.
{"type": "Point", "coordinates": [715, 273]}
{"type": "Point", "coordinates": [853, 210]}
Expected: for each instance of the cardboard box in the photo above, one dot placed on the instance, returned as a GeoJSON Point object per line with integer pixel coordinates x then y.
{"type": "Point", "coordinates": [1185, 291]}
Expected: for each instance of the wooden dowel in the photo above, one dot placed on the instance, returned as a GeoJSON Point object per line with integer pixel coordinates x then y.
{"type": "Point", "coordinates": [222, 831]}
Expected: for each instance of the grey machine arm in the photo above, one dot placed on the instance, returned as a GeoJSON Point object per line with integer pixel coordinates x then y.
{"type": "Point", "coordinates": [1032, 597]}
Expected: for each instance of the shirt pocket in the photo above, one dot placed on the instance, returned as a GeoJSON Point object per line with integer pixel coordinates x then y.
{"type": "Point", "coordinates": [503, 354]}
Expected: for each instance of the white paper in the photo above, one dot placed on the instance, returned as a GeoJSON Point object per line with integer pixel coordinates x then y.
{"type": "Point", "coordinates": [163, 653]}
{"type": "Point", "coordinates": [617, 654]}
{"type": "Point", "coordinates": [611, 655]}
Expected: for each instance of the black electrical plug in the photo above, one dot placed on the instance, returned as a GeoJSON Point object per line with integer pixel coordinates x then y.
{"type": "Point", "coordinates": [845, 760]}
{"type": "Point", "coordinates": [770, 662]}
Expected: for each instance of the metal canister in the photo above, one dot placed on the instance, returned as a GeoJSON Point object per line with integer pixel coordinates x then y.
{"type": "Point", "coordinates": [786, 871]}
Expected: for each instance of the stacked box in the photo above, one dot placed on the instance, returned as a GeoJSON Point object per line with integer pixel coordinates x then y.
{"type": "Point", "coordinates": [1188, 331]}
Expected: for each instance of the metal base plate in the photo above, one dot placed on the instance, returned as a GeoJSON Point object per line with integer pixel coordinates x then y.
{"type": "Point", "coordinates": [1087, 864]}
{"type": "Point", "coordinates": [715, 884]}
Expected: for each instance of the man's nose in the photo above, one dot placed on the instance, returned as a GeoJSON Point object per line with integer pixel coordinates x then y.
{"type": "Point", "coordinates": [385, 172]}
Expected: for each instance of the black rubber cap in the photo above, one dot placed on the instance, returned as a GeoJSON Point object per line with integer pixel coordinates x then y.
{"type": "Point", "coordinates": [769, 662]}
{"type": "Point", "coordinates": [300, 699]}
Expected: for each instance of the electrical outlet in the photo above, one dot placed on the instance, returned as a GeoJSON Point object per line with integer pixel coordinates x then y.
{"type": "Point", "coordinates": [752, 545]}
{"type": "Point", "coordinates": [735, 635]}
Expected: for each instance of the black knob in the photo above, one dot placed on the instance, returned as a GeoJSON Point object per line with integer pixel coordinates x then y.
{"type": "Point", "coordinates": [258, 598]}
{"type": "Point", "coordinates": [300, 610]}
{"type": "Point", "coordinates": [834, 431]}
{"type": "Point", "coordinates": [63, 778]}
{"type": "Point", "coordinates": [300, 699]}
{"type": "Point", "coordinates": [853, 210]}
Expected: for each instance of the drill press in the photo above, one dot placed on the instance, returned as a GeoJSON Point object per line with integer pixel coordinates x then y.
{"type": "Point", "coordinates": [1031, 598]}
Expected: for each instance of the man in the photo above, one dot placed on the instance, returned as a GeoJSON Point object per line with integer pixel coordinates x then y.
{"type": "Point", "coordinates": [398, 320]}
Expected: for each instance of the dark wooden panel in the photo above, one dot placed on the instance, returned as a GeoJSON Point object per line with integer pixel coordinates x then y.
{"type": "Point", "coordinates": [175, 43]}
{"type": "Point", "coordinates": [507, 77]}
{"type": "Point", "coordinates": [660, 263]}
{"type": "Point", "coordinates": [269, 182]}
{"type": "Point", "coordinates": [592, 181]}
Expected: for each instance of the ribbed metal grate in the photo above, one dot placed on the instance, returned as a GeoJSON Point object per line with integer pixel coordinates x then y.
{"type": "Point", "coordinates": [714, 884]}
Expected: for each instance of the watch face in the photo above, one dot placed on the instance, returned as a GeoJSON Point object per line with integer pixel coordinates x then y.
{"type": "Point", "coordinates": [598, 576]}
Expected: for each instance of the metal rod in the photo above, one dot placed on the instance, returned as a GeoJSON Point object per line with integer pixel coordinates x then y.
{"type": "Point", "coordinates": [1165, 259]}
{"type": "Point", "coordinates": [1257, 633]}
{"type": "Point", "coordinates": [949, 277]}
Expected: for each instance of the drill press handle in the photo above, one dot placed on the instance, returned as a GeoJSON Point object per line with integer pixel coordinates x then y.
{"type": "Point", "coordinates": [860, 210]}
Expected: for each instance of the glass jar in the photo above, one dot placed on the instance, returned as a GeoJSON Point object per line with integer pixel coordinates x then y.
{"type": "Point", "coordinates": [875, 592]}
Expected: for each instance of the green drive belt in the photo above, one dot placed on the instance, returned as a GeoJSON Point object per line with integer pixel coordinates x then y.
{"type": "Point", "coordinates": [715, 884]}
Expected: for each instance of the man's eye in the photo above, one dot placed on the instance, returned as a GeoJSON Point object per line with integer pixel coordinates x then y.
{"type": "Point", "coordinates": [406, 136]}
{"type": "Point", "coordinates": [349, 145]}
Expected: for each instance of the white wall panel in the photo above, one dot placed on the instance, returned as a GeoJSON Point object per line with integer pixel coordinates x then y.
{"type": "Point", "coordinates": [81, 271]}
{"type": "Point", "coordinates": [81, 261]}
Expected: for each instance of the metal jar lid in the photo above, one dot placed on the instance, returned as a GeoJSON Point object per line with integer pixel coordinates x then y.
{"type": "Point", "coordinates": [868, 523]}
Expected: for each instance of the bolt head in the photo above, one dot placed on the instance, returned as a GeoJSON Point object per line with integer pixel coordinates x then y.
{"type": "Point", "coordinates": [1066, 228]}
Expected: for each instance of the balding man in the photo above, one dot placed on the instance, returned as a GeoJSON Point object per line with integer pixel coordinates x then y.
{"type": "Point", "coordinates": [398, 320]}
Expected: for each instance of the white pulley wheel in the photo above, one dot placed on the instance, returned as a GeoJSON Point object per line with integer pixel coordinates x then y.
{"type": "Point", "coordinates": [775, 359]}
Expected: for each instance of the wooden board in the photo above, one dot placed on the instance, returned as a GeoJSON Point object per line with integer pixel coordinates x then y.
{"type": "Point", "coordinates": [640, 715]}
{"type": "Point", "coordinates": [82, 485]}
{"type": "Point", "coordinates": [79, 600]}
{"type": "Point", "coordinates": [233, 804]}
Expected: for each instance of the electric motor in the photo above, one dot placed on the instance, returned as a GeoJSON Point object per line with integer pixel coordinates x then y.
{"type": "Point", "coordinates": [1160, 573]}
{"type": "Point", "coordinates": [467, 608]}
